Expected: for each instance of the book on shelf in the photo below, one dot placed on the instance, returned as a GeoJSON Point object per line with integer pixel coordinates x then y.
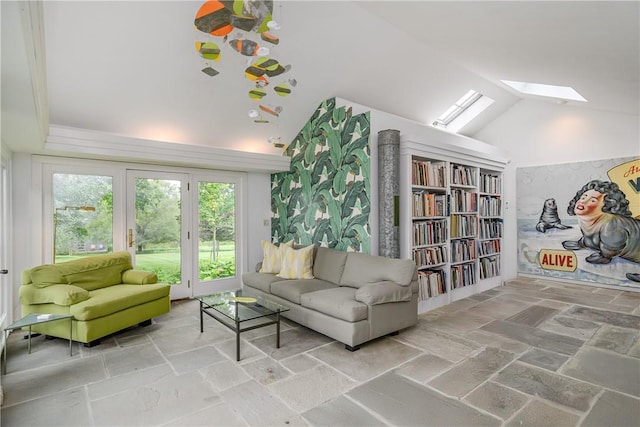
{"type": "Point", "coordinates": [430, 232]}
{"type": "Point", "coordinates": [490, 205]}
{"type": "Point", "coordinates": [431, 283]}
{"type": "Point", "coordinates": [488, 247]}
{"type": "Point", "coordinates": [428, 174]}
{"type": "Point", "coordinates": [462, 175]}
{"type": "Point", "coordinates": [427, 204]}
{"type": "Point", "coordinates": [489, 267]}
{"type": "Point", "coordinates": [430, 256]}
{"type": "Point", "coordinates": [490, 183]}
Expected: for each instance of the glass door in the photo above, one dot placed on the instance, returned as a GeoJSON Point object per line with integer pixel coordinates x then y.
{"type": "Point", "coordinates": [216, 243]}
{"type": "Point", "coordinates": [82, 215]}
{"type": "Point", "coordinates": [5, 295]}
{"type": "Point", "coordinates": [157, 229]}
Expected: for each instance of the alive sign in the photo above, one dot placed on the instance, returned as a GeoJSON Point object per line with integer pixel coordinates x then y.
{"type": "Point", "coordinates": [559, 260]}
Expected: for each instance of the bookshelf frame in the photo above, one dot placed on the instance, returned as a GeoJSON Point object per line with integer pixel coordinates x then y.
{"type": "Point", "coordinates": [465, 256]}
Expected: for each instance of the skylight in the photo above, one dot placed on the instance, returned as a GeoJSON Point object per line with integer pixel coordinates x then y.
{"type": "Point", "coordinates": [551, 91]}
{"type": "Point", "coordinates": [463, 111]}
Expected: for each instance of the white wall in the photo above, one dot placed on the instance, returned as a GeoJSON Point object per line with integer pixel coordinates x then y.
{"type": "Point", "coordinates": [537, 133]}
{"type": "Point", "coordinates": [259, 211]}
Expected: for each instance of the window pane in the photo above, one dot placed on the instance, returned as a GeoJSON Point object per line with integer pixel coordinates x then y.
{"type": "Point", "coordinates": [158, 222]}
{"type": "Point", "coordinates": [83, 215]}
{"type": "Point", "coordinates": [216, 234]}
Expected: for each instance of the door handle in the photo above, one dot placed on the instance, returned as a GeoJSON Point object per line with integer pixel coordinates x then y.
{"type": "Point", "coordinates": [130, 237]}
{"type": "Point", "coordinates": [4, 271]}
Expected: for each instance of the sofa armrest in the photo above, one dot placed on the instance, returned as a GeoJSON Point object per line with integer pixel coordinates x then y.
{"type": "Point", "coordinates": [139, 277]}
{"type": "Point", "coordinates": [60, 294]}
{"type": "Point", "coordinates": [382, 293]}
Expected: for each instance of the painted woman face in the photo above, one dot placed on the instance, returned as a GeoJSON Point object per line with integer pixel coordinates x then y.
{"type": "Point", "coordinates": [589, 203]}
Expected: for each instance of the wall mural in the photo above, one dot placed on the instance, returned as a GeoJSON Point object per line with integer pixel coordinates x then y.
{"type": "Point", "coordinates": [581, 221]}
{"type": "Point", "coordinates": [325, 197]}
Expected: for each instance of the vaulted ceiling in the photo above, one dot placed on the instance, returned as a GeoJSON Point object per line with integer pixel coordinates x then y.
{"type": "Point", "coordinates": [131, 68]}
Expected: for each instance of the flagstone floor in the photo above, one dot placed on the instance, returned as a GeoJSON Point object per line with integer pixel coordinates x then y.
{"type": "Point", "coordinates": [531, 353]}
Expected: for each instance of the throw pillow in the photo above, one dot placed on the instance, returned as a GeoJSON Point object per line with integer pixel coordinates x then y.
{"type": "Point", "coordinates": [272, 256]}
{"type": "Point", "coordinates": [297, 263]}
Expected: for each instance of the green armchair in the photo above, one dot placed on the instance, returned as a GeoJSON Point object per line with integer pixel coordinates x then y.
{"type": "Point", "coordinates": [102, 292]}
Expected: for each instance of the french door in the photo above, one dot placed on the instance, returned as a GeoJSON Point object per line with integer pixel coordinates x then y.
{"type": "Point", "coordinates": [184, 225]}
{"type": "Point", "coordinates": [157, 226]}
{"type": "Point", "coordinates": [217, 216]}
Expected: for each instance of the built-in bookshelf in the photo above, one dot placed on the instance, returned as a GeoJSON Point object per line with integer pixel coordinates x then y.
{"type": "Point", "coordinates": [429, 210]}
{"type": "Point", "coordinates": [490, 223]}
{"type": "Point", "coordinates": [451, 224]}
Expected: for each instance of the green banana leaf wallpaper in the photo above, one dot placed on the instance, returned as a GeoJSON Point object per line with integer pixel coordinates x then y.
{"type": "Point", "coordinates": [325, 197]}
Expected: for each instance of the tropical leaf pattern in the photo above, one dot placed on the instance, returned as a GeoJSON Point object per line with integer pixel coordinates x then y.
{"type": "Point", "coordinates": [324, 198]}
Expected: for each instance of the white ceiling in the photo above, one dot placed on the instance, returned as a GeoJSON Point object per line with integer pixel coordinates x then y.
{"type": "Point", "coordinates": [130, 68]}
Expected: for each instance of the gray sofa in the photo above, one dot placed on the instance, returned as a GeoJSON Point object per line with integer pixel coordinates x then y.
{"type": "Point", "coordinates": [353, 297]}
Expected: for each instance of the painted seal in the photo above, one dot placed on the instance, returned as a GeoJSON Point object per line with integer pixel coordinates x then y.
{"type": "Point", "coordinates": [549, 217]}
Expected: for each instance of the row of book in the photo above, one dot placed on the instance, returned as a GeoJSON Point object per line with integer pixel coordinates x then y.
{"type": "Point", "coordinates": [488, 247]}
{"type": "Point", "coordinates": [463, 250]}
{"type": "Point", "coordinates": [489, 267]}
{"type": "Point", "coordinates": [434, 255]}
{"type": "Point", "coordinates": [429, 204]}
{"type": "Point", "coordinates": [429, 232]}
{"type": "Point", "coordinates": [431, 283]}
{"type": "Point", "coordinates": [463, 226]}
{"type": "Point", "coordinates": [490, 183]}
{"type": "Point", "coordinates": [490, 206]}
{"type": "Point", "coordinates": [462, 175]}
{"type": "Point", "coordinates": [463, 275]}
{"type": "Point", "coordinates": [430, 174]}
{"type": "Point", "coordinates": [491, 228]}
{"type": "Point", "coordinates": [463, 201]}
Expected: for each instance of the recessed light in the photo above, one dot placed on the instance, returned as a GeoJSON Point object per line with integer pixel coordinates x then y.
{"type": "Point", "coordinates": [551, 91]}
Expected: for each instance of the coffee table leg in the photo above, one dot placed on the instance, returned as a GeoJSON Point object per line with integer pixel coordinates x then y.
{"type": "Point", "coordinates": [201, 326]}
{"type": "Point", "coordinates": [70, 336]}
{"type": "Point", "coordinates": [278, 330]}
{"type": "Point", "coordinates": [237, 341]}
{"type": "Point", "coordinates": [29, 343]}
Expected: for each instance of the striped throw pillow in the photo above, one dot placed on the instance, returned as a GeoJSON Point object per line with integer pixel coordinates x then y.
{"type": "Point", "coordinates": [297, 263]}
{"type": "Point", "coordinates": [272, 256]}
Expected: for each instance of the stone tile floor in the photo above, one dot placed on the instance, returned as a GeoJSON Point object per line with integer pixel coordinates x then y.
{"type": "Point", "coordinates": [530, 353]}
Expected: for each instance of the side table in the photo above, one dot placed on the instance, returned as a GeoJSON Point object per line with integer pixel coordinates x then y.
{"type": "Point", "coordinates": [35, 319]}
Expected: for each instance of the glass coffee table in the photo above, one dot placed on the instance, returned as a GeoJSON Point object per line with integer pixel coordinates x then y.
{"type": "Point", "coordinates": [241, 313]}
{"type": "Point", "coordinates": [35, 319]}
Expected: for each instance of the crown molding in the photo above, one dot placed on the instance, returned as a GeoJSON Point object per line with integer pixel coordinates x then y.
{"type": "Point", "coordinates": [90, 143]}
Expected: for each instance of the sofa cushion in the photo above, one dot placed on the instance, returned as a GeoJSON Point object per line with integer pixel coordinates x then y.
{"type": "Point", "coordinates": [97, 271]}
{"type": "Point", "coordinates": [260, 281]}
{"type": "Point", "coordinates": [362, 269]}
{"type": "Point", "coordinates": [272, 256]}
{"type": "Point", "coordinates": [329, 264]}
{"type": "Point", "coordinates": [292, 289]}
{"type": "Point", "coordinates": [139, 277]}
{"type": "Point", "coordinates": [382, 293]}
{"type": "Point", "coordinates": [46, 275]}
{"type": "Point", "coordinates": [297, 263]}
{"type": "Point", "coordinates": [336, 302]}
{"type": "Point", "coordinates": [64, 295]}
{"type": "Point", "coordinates": [105, 301]}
